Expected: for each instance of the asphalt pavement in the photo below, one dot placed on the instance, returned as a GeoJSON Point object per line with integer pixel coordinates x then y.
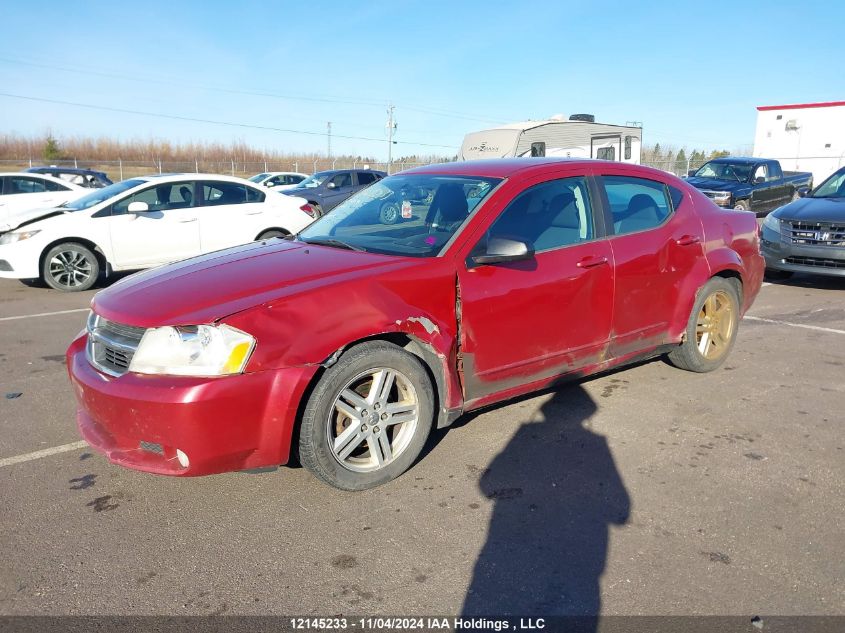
{"type": "Point", "coordinates": [648, 490]}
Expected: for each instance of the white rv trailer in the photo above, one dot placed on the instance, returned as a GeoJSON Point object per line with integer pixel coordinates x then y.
{"type": "Point", "coordinates": [575, 138]}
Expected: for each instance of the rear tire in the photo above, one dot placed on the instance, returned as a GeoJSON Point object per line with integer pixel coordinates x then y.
{"type": "Point", "coordinates": [318, 210]}
{"type": "Point", "coordinates": [389, 213]}
{"type": "Point", "coordinates": [711, 329]}
{"type": "Point", "coordinates": [368, 418]}
{"type": "Point", "coordinates": [70, 267]}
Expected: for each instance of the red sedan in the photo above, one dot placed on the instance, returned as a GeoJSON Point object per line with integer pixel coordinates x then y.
{"type": "Point", "coordinates": [350, 341]}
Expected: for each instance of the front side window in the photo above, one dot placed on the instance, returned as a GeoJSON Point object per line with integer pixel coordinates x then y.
{"type": "Point", "coordinates": [222, 193]}
{"type": "Point", "coordinates": [161, 197]}
{"type": "Point", "coordinates": [547, 216]}
{"type": "Point", "coordinates": [761, 172]}
{"type": "Point", "coordinates": [258, 177]}
{"type": "Point", "coordinates": [341, 180]}
{"type": "Point", "coordinates": [636, 204]}
{"type": "Point", "coordinates": [22, 184]}
{"type": "Point", "coordinates": [409, 215]}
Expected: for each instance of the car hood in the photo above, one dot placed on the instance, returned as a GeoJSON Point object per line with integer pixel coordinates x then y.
{"type": "Point", "coordinates": [31, 216]}
{"type": "Point", "coordinates": [814, 210]}
{"type": "Point", "coordinates": [207, 288]}
{"type": "Point", "coordinates": [715, 184]}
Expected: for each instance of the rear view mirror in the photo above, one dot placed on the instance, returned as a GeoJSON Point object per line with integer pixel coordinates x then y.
{"type": "Point", "coordinates": [502, 249]}
{"type": "Point", "coordinates": [138, 207]}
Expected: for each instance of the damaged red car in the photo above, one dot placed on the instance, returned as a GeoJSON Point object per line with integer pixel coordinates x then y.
{"type": "Point", "coordinates": [348, 343]}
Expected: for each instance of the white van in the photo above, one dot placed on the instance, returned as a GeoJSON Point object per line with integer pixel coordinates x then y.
{"type": "Point", "coordinates": [579, 137]}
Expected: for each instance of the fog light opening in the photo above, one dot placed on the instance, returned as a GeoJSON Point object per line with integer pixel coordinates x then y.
{"type": "Point", "coordinates": [183, 459]}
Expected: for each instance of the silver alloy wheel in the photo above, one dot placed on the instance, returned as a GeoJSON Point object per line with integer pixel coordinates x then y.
{"type": "Point", "coordinates": [70, 268]}
{"type": "Point", "coordinates": [372, 420]}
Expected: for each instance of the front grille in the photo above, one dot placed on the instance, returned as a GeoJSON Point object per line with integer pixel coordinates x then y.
{"type": "Point", "coordinates": [814, 233]}
{"type": "Point", "coordinates": [816, 261]}
{"type": "Point", "coordinates": [111, 345]}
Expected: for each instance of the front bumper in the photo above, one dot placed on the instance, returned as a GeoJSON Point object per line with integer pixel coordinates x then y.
{"type": "Point", "coordinates": [19, 260]}
{"type": "Point", "coordinates": [816, 260]}
{"type": "Point", "coordinates": [221, 424]}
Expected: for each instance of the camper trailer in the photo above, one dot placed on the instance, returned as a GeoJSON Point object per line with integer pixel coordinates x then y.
{"type": "Point", "coordinates": [578, 137]}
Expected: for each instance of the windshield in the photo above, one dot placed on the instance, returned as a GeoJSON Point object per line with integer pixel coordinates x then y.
{"type": "Point", "coordinates": [314, 180]}
{"type": "Point", "coordinates": [412, 215]}
{"type": "Point", "coordinates": [833, 187]}
{"type": "Point", "coordinates": [259, 177]}
{"type": "Point", "coordinates": [725, 171]}
{"type": "Point", "coordinates": [100, 195]}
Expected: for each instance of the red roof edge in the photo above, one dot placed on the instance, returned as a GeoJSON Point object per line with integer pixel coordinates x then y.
{"type": "Point", "coordinates": [801, 106]}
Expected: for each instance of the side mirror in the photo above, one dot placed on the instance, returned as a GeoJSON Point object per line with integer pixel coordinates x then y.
{"type": "Point", "coordinates": [691, 172]}
{"type": "Point", "coordinates": [759, 180]}
{"type": "Point", "coordinates": [503, 249]}
{"type": "Point", "coordinates": [803, 192]}
{"type": "Point", "coordinates": [331, 185]}
{"type": "Point", "coordinates": [138, 207]}
{"type": "Point", "coordinates": [267, 183]}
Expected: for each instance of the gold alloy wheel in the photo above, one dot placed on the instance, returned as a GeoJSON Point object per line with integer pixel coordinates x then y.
{"type": "Point", "coordinates": [715, 326]}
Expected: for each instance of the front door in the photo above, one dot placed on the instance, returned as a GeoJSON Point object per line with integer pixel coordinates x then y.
{"type": "Point", "coordinates": [337, 189]}
{"type": "Point", "coordinates": [168, 231]}
{"type": "Point", "coordinates": [528, 321]}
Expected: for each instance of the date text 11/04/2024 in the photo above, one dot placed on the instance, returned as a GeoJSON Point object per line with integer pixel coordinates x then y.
{"type": "Point", "coordinates": [417, 623]}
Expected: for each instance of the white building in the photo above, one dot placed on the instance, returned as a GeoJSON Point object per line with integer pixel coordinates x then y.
{"type": "Point", "coordinates": [803, 137]}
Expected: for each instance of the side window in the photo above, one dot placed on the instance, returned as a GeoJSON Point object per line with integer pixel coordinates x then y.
{"type": "Point", "coordinates": [22, 184]}
{"type": "Point", "coordinates": [174, 195]}
{"type": "Point", "coordinates": [549, 215]}
{"type": "Point", "coordinates": [366, 178]}
{"type": "Point", "coordinates": [774, 172]}
{"type": "Point", "coordinates": [254, 195]}
{"type": "Point", "coordinates": [219, 193]}
{"type": "Point", "coordinates": [342, 180]}
{"type": "Point", "coordinates": [276, 180]}
{"type": "Point", "coordinates": [538, 149]}
{"type": "Point", "coordinates": [636, 204]}
{"type": "Point", "coordinates": [54, 186]}
{"type": "Point", "coordinates": [677, 196]}
{"type": "Point", "coordinates": [294, 180]}
{"type": "Point", "coordinates": [760, 172]}
{"type": "Point", "coordinates": [627, 148]}
{"type": "Point", "coordinates": [606, 153]}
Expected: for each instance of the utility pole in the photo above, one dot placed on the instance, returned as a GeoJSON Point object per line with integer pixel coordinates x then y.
{"type": "Point", "coordinates": [391, 126]}
{"type": "Point", "coordinates": [329, 131]}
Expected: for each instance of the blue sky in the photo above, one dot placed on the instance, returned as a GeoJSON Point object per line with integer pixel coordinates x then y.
{"type": "Point", "coordinates": [693, 77]}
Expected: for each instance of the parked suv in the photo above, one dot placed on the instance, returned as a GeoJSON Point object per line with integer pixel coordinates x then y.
{"type": "Point", "coordinates": [327, 189]}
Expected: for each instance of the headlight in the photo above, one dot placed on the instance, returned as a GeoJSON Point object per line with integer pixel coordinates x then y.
{"type": "Point", "coordinates": [195, 350]}
{"type": "Point", "coordinates": [9, 238]}
{"type": "Point", "coordinates": [771, 222]}
{"type": "Point", "coordinates": [722, 196]}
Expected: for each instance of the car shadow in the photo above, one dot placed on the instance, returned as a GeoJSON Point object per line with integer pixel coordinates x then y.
{"type": "Point", "coordinates": [819, 282]}
{"type": "Point", "coordinates": [556, 492]}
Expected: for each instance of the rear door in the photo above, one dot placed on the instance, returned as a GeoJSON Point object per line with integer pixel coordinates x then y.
{"type": "Point", "coordinates": [527, 321]}
{"type": "Point", "coordinates": [167, 232]}
{"type": "Point", "coordinates": [656, 240]}
{"type": "Point", "coordinates": [231, 213]}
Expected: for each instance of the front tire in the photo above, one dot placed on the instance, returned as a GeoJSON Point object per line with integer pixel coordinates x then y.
{"type": "Point", "coordinates": [711, 329]}
{"type": "Point", "coordinates": [368, 417]}
{"type": "Point", "coordinates": [743, 205]}
{"type": "Point", "coordinates": [266, 235]}
{"type": "Point", "coordinates": [70, 267]}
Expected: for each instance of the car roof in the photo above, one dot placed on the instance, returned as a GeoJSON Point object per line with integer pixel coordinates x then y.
{"type": "Point", "coordinates": [507, 167]}
{"type": "Point", "coordinates": [46, 169]}
{"type": "Point", "coordinates": [738, 159]}
{"type": "Point", "coordinates": [175, 177]}
{"type": "Point", "coordinates": [35, 174]}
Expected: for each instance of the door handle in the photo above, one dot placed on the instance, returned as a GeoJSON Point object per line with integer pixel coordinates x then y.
{"type": "Point", "coordinates": [188, 220]}
{"type": "Point", "coordinates": [591, 262]}
{"type": "Point", "coordinates": [687, 240]}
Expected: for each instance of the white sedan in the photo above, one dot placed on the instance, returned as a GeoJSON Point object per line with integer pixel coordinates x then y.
{"type": "Point", "coordinates": [279, 180]}
{"type": "Point", "coordinates": [20, 192]}
{"type": "Point", "coordinates": [145, 222]}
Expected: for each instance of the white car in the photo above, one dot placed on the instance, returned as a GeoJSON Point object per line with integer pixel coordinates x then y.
{"type": "Point", "coordinates": [21, 192]}
{"type": "Point", "coordinates": [144, 222]}
{"type": "Point", "coordinates": [279, 180]}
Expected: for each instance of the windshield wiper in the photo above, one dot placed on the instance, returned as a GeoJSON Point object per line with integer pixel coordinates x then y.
{"type": "Point", "coordinates": [330, 241]}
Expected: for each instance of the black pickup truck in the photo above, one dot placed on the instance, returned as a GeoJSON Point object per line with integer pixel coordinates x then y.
{"type": "Point", "coordinates": [750, 184]}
